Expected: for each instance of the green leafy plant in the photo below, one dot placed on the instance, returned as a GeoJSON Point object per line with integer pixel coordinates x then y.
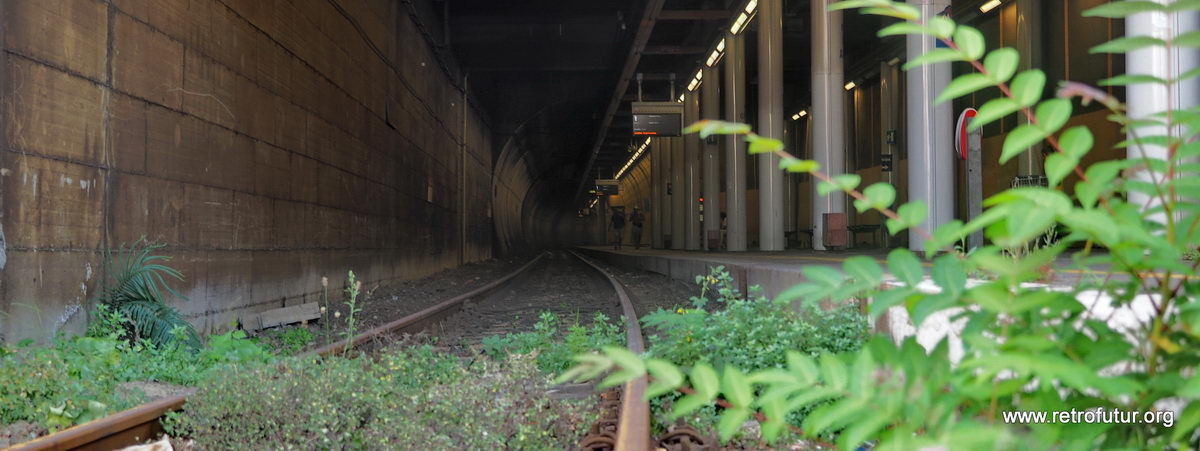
{"type": "Point", "coordinates": [1025, 348]}
{"type": "Point", "coordinates": [136, 287]}
{"type": "Point", "coordinates": [407, 394]}
{"type": "Point", "coordinates": [554, 354]}
{"type": "Point", "coordinates": [353, 289]}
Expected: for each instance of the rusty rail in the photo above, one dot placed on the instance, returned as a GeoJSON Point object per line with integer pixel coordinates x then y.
{"type": "Point", "coordinates": [633, 428]}
{"type": "Point", "coordinates": [132, 426]}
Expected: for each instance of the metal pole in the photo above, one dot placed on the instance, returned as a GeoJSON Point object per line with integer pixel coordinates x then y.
{"type": "Point", "coordinates": [828, 111]}
{"type": "Point", "coordinates": [657, 193]}
{"type": "Point", "coordinates": [711, 109]}
{"type": "Point", "coordinates": [770, 123]}
{"type": "Point", "coordinates": [1146, 99]}
{"type": "Point", "coordinates": [930, 132]}
{"type": "Point", "coordinates": [889, 107]}
{"type": "Point", "coordinates": [691, 144]}
{"type": "Point", "coordinates": [735, 159]}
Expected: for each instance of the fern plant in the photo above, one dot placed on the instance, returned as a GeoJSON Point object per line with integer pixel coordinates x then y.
{"type": "Point", "coordinates": [136, 287]}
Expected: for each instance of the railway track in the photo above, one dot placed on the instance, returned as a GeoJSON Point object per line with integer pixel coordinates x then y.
{"type": "Point", "coordinates": [135, 425]}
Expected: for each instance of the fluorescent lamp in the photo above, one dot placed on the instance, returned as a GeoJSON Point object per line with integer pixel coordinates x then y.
{"type": "Point", "coordinates": [721, 45]}
{"type": "Point", "coordinates": [850, 85]}
{"type": "Point", "coordinates": [681, 98]}
{"type": "Point", "coordinates": [802, 113]}
{"type": "Point", "coordinates": [712, 59]}
{"type": "Point", "coordinates": [894, 61]}
{"type": "Point", "coordinates": [750, 6]}
{"type": "Point", "coordinates": [699, 74]}
{"type": "Point", "coordinates": [691, 87]}
{"type": "Point", "coordinates": [990, 5]}
{"type": "Point", "coordinates": [796, 117]}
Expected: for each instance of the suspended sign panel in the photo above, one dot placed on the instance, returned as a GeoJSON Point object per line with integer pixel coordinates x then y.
{"type": "Point", "coordinates": [657, 118]}
{"type": "Point", "coordinates": [608, 187]}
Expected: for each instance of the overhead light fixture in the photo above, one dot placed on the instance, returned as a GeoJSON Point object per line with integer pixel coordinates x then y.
{"type": "Point", "coordinates": [990, 5]}
{"type": "Point", "coordinates": [721, 45]}
{"type": "Point", "coordinates": [713, 58]}
{"type": "Point", "coordinates": [628, 164]}
{"type": "Point", "coordinates": [796, 117]}
{"type": "Point", "coordinates": [894, 61]}
{"type": "Point", "coordinates": [695, 83]}
{"type": "Point", "coordinates": [803, 113]}
{"type": "Point", "coordinates": [850, 85]}
{"type": "Point", "coordinates": [751, 6]}
{"type": "Point", "coordinates": [740, 23]}
{"type": "Point", "coordinates": [680, 100]}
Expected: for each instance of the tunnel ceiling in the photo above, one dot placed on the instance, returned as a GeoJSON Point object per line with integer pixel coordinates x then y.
{"type": "Point", "coordinates": [545, 71]}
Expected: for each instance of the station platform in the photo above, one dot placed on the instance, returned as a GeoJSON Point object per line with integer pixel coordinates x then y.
{"type": "Point", "coordinates": [772, 271]}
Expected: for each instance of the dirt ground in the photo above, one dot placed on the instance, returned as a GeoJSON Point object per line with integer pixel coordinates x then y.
{"type": "Point", "coordinates": [560, 284]}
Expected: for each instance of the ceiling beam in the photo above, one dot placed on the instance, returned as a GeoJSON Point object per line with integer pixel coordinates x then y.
{"type": "Point", "coordinates": [673, 50]}
{"type": "Point", "coordinates": [695, 14]}
{"type": "Point", "coordinates": [645, 27]}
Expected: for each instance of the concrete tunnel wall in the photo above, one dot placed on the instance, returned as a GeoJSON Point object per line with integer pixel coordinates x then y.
{"type": "Point", "coordinates": [267, 143]}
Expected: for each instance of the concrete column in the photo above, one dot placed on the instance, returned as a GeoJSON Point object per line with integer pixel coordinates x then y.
{"type": "Point", "coordinates": [691, 153]}
{"type": "Point", "coordinates": [678, 194]}
{"type": "Point", "coordinates": [735, 159]}
{"type": "Point", "coordinates": [930, 132]}
{"type": "Point", "coordinates": [770, 123]}
{"type": "Point", "coordinates": [1147, 99]}
{"type": "Point", "coordinates": [828, 111]}
{"type": "Point", "coordinates": [710, 108]}
{"type": "Point", "coordinates": [657, 193]}
{"type": "Point", "coordinates": [1029, 43]}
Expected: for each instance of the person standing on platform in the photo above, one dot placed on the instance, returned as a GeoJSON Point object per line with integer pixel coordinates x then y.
{"type": "Point", "coordinates": [618, 224]}
{"type": "Point", "coordinates": [637, 219]}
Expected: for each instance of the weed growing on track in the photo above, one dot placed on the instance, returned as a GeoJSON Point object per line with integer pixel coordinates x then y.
{"type": "Point", "coordinates": [77, 379]}
{"type": "Point", "coordinates": [554, 355]}
{"type": "Point", "coordinates": [404, 395]}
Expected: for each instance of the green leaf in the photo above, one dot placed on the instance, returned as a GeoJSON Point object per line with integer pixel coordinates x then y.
{"type": "Point", "coordinates": [667, 378]}
{"type": "Point", "coordinates": [905, 266]}
{"type": "Point", "coordinates": [863, 269]}
{"type": "Point", "coordinates": [1052, 114]}
{"type": "Point", "coordinates": [803, 367]}
{"type": "Point", "coordinates": [887, 299]}
{"type": "Point", "coordinates": [879, 195]}
{"type": "Point", "coordinates": [1189, 420]}
{"type": "Point", "coordinates": [731, 421]}
{"type": "Point", "coordinates": [898, 10]}
{"type": "Point", "coordinates": [1028, 86]}
{"type": "Point", "coordinates": [1184, 5]}
{"type": "Point", "coordinates": [625, 358]}
{"type": "Point", "coordinates": [828, 415]}
{"type": "Point", "coordinates": [938, 55]}
{"type": "Point", "coordinates": [862, 375]}
{"type": "Point", "coordinates": [1058, 166]}
{"type": "Point", "coordinates": [841, 182]}
{"type": "Point", "coordinates": [704, 380]}
{"type": "Point", "coordinates": [1088, 193]}
{"type": "Point", "coordinates": [736, 388]}
{"type": "Point", "coordinates": [798, 165]}
{"type": "Point", "coordinates": [1001, 64]}
{"type": "Point", "coordinates": [709, 127]}
{"type": "Point", "coordinates": [833, 372]}
{"type": "Point", "coordinates": [1027, 220]}
{"type": "Point", "coordinates": [1019, 140]}
{"type": "Point", "coordinates": [759, 144]}
{"type": "Point", "coordinates": [948, 273]}
{"type": "Point", "coordinates": [992, 110]}
{"type": "Point", "coordinates": [964, 85]}
{"type": "Point", "coordinates": [688, 404]}
{"type": "Point", "coordinates": [1189, 39]}
{"type": "Point", "coordinates": [1122, 9]}
{"type": "Point", "coordinates": [941, 27]}
{"type": "Point", "coordinates": [861, 430]}
{"type": "Point", "coordinates": [1076, 141]}
{"type": "Point", "coordinates": [1131, 79]}
{"type": "Point", "coordinates": [970, 40]}
{"type": "Point", "coordinates": [1127, 44]}
{"type": "Point", "coordinates": [911, 214]}
{"type": "Point", "coordinates": [1097, 225]}
{"type": "Point", "coordinates": [901, 28]}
